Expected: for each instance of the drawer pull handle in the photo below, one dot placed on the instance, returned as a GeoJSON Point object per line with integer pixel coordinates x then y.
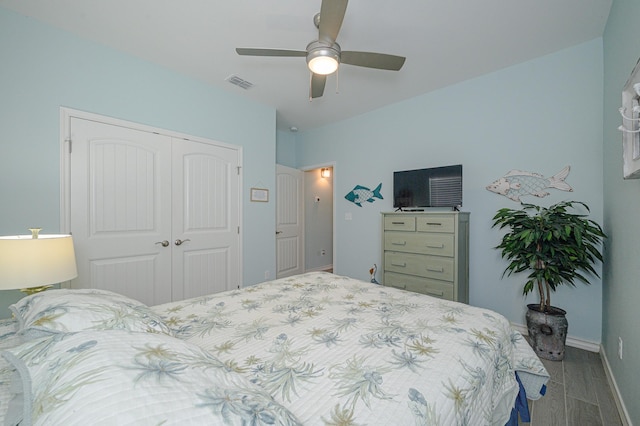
{"type": "Point", "coordinates": [435, 293]}
{"type": "Point", "coordinates": [434, 223]}
{"type": "Point", "coordinates": [398, 243]}
{"type": "Point", "coordinates": [435, 270]}
{"type": "Point", "coordinates": [402, 265]}
{"type": "Point", "coordinates": [397, 223]}
{"type": "Point", "coordinates": [439, 246]}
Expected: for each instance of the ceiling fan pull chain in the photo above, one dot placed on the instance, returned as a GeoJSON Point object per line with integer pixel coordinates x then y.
{"type": "Point", "coordinates": [338, 81]}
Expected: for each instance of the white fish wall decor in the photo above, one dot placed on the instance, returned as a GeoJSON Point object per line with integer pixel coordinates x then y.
{"type": "Point", "coordinates": [518, 183]}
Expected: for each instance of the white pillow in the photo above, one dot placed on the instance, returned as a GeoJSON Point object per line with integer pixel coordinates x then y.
{"type": "Point", "coordinates": [117, 377]}
{"type": "Point", "coordinates": [71, 310]}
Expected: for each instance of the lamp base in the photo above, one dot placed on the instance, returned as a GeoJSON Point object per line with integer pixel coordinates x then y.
{"type": "Point", "coordinates": [34, 290]}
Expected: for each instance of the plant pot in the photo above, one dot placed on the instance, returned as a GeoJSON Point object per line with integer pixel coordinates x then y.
{"type": "Point", "coordinates": [547, 331]}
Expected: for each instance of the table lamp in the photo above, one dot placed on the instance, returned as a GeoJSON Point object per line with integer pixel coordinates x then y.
{"type": "Point", "coordinates": [33, 263]}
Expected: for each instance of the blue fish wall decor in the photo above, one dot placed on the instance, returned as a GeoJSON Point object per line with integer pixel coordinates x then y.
{"type": "Point", "coordinates": [517, 183]}
{"type": "Point", "coordinates": [360, 194]}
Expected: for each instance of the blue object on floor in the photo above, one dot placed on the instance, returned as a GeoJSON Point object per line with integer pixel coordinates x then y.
{"type": "Point", "coordinates": [521, 407]}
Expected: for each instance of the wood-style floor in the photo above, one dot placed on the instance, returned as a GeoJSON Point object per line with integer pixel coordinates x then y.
{"type": "Point", "coordinates": [578, 393]}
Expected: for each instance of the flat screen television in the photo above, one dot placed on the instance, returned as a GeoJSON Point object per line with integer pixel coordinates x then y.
{"type": "Point", "coordinates": [431, 187]}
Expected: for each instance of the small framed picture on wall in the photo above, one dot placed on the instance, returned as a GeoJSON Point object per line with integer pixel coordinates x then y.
{"type": "Point", "coordinates": [260, 195]}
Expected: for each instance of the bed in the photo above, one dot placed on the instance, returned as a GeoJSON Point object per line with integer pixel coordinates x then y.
{"type": "Point", "coordinates": [313, 349]}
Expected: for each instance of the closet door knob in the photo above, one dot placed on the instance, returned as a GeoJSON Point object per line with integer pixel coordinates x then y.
{"type": "Point", "coordinates": [164, 243]}
{"type": "Point", "coordinates": [179, 242]}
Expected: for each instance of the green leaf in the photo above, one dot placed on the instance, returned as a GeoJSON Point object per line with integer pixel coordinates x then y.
{"type": "Point", "coordinates": [556, 247]}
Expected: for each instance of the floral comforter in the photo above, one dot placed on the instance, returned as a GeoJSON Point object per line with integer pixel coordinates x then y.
{"type": "Point", "coordinates": [314, 349]}
{"type": "Point", "coordinates": [338, 351]}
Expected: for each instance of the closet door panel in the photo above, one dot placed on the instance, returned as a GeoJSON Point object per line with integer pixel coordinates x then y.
{"type": "Point", "coordinates": [206, 218]}
{"type": "Point", "coordinates": [204, 270]}
{"type": "Point", "coordinates": [120, 207]}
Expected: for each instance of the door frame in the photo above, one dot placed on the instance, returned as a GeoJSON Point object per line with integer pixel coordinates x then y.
{"type": "Point", "coordinates": [66, 114]}
{"type": "Point", "coordinates": [334, 177]}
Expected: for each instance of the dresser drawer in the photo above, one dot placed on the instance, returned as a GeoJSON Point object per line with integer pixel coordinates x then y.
{"type": "Point", "coordinates": [435, 223]}
{"type": "Point", "coordinates": [435, 288]}
{"type": "Point", "coordinates": [400, 223]}
{"type": "Point", "coordinates": [435, 244]}
{"type": "Point", "coordinates": [440, 268]}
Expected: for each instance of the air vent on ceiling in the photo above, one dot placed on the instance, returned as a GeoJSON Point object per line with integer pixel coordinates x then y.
{"type": "Point", "coordinates": [240, 82]}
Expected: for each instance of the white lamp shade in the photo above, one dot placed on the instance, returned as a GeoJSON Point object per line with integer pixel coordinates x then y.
{"type": "Point", "coordinates": [27, 262]}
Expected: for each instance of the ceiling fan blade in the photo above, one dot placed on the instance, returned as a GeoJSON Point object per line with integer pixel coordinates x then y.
{"type": "Point", "coordinates": [331, 16]}
{"type": "Point", "coordinates": [269, 52]}
{"type": "Point", "coordinates": [380, 61]}
{"type": "Point", "coordinates": [317, 85]}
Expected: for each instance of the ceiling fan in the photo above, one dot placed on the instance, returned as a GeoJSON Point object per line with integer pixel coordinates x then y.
{"type": "Point", "coordinates": [324, 54]}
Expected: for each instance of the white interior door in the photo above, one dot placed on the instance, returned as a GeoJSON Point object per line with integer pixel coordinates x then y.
{"type": "Point", "coordinates": [121, 209]}
{"type": "Point", "coordinates": [289, 221]}
{"type": "Point", "coordinates": [154, 217]}
{"type": "Point", "coordinates": [205, 182]}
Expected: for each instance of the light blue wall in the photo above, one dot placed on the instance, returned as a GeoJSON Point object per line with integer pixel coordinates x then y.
{"type": "Point", "coordinates": [42, 68]}
{"type": "Point", "coordinates": [621, 294]}
{"type": "Point", "coordinates": [286, 148]}
{"type": "Point", "coordinates": [537, 116]}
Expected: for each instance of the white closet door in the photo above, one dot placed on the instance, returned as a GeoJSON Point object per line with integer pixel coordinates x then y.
{"type": "Point", "coordinates": [154, 217]}
{"type": "Point", "coordinates": [205, 217]}
{"type": "Point", "coordinates": [120, 209]}
{"type": "Point", "coordinates": [289, 221]}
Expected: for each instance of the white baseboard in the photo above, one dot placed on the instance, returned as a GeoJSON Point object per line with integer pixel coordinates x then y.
{"type": "Point", "coordinates": [622, 409]}
{"type": "Point", "coordinates": [571, 341]}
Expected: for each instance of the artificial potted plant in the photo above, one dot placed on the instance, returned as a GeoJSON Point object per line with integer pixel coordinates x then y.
{"type": "Point", "coordinates": [556, 247]}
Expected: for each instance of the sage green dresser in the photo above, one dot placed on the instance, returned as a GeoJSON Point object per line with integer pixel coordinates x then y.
{"type": "Point", "coordinates": [427, 252]}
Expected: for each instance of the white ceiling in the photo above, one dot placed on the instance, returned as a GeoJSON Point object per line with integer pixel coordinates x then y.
{"type": "Point", "coordinates": [445, 41]}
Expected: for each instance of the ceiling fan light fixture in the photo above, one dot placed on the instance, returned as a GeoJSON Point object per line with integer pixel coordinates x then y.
{"type": "Point", "coordinates": [323, 65]}
{"type": "Point", "coordinates": [323, 60]}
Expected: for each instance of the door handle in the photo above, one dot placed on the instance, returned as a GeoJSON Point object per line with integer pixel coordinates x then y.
{"type": "Point", "coordinates": [179, 242]}
{"type": "Point", "coordinates": [278, 232]}
{"type": "Point", "coordinates": [164, 243]}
